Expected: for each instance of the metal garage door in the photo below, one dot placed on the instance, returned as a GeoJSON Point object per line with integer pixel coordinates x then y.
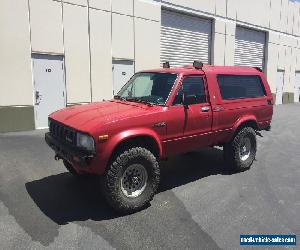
{"type": "Point", "coordinates": [184, 39]}
{"type": "Point", "coordinates": [249, 47]}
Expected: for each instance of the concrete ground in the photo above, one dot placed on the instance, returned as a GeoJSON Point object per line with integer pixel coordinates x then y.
{"type": "Point", "coordinates": [199, 205]}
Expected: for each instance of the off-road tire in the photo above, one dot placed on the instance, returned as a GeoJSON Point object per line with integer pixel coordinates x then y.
{"type": "Point", "coordinates": [112, 180]}
{"type": "Point", "coordinates": [231, 150]}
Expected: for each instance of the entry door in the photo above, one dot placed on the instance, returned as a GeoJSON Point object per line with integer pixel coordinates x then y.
{"type": "Point", "coordinates": [123, 70]}
{"type": "Point", "coordinates": [297, 87]}
{"type": "Point", "coordinates": [49, 84]}
{"type": "Point", "coordinates": [279, 87]}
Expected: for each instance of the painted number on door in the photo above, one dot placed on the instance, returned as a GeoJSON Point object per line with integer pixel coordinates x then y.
{"type": "Point", "coordinates": [48, 70]}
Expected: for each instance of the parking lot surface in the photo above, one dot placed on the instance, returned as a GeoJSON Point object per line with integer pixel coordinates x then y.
{"type": "Point", "coordinates": [199, 205]}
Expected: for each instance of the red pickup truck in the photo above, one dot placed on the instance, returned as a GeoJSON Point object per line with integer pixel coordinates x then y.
{"type": "Point", "coordinates": [159, 113]}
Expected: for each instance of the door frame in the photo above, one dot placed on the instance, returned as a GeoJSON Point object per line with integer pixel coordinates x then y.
{"type": "Point", "coordinates": [35, 55]}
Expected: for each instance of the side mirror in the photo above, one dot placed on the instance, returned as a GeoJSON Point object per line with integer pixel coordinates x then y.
{"type": "Point", "coordinates": [188, 100]}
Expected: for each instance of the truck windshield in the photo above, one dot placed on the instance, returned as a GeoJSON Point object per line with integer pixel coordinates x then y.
{"type": "Point", "coordinates": [150, 88]}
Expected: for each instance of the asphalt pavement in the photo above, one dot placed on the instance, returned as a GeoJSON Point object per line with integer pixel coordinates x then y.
{"type": "Point", "coordinates": [199, 204]}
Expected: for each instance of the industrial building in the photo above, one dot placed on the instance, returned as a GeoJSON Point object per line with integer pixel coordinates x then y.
{"type": "Point", "coordinates": [58, 53]}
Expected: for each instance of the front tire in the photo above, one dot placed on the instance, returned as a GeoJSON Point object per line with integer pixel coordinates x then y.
{"type": "Point", "coordinates": [240, 152]}
{"type": "Point", "coordinates": [131, 180]}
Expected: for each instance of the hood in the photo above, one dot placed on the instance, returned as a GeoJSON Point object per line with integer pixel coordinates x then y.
{"type": "Point", "coordinates": [87, 116]}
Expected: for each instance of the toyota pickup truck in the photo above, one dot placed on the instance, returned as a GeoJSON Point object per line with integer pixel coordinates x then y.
{"type": "Point", "coordinates": [157, 114]}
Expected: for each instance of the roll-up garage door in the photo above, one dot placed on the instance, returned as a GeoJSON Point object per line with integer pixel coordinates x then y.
{"type": "Point", "coordinates": [184, 39]}
{"type": "Point", "coordinates": [249, 47]}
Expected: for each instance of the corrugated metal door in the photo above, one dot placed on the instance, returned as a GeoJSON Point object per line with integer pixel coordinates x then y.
{"type": "Point", "coordinates": [249, 47]}
{"type": "Point", "coordinates": [184, 39]}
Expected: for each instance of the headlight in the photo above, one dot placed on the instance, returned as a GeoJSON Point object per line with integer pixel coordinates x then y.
{"type": "Point", "coordinates": [85, 141]}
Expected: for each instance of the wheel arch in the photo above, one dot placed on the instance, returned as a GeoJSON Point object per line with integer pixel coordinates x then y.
{"type": "Point", "coordinates": [148, 140]}
{"type": "Point", "coordinates": [249, 121]}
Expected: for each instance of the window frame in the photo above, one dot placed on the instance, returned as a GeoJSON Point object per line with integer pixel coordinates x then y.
{"type": "Point", "coordinates": [242, 98]}
{"type": "Point", "coordinates": [202, 76]}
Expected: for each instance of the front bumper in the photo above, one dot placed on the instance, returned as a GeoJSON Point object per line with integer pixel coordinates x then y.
{"type": "Point", "coordinates": [74, 155]}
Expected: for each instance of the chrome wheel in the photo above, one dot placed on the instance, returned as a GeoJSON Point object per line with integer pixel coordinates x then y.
{"type": "Point", "coordinates": [134, 180]}
{"type": "Point", "coordinates": [245, 149]}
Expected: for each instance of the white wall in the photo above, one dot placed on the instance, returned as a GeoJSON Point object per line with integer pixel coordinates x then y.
{"type": "Point", "coordinates": [15, 57]}
{"type": "Point", "coordinates": [46, 26]}
{"type": "Point", "coordinates": [77, 55]}
{"type": "Point", "coordinates": [101, 57]}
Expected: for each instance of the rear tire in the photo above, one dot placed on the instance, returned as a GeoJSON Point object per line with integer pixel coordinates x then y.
{"type": "Point", "coordinates": [131, 180]}
{"type": "Point", "coordinates": [240, 152]}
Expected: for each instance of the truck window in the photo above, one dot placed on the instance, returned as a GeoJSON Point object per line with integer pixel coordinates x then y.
{"type": "Point", "coordinates": [193, 85]}
{"type": "Point", "coordinates": [240, 86]}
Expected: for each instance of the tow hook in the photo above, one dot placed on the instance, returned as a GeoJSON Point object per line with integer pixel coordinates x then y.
{"type": "Point", "coordinates": [57, 157]}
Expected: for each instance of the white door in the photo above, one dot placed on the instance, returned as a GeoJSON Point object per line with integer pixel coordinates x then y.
{"type": "Point", "coordinates": [279, 87]}
{"type": "Point", "coordinates": [297, 87]}
{"type": "Point", "coordinates": [49, 84]}
{"type": "Point", "coordinates": [123, 70]}
{"type": "Point", "coordinates": [184, 39]}
{"type": "Point", "coordinates": [249, 47]}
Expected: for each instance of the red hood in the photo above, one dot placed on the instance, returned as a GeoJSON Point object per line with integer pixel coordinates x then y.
{"type": "Point", "coordinates": [85, 117]}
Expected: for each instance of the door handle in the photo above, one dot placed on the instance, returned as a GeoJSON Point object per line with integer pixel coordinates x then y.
{"type": "Point", "coordinates": [205, 109]}
{"type": "Point", "coordinates": [37, 97]}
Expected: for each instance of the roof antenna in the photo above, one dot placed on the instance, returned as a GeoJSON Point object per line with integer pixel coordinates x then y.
{"type": "Point", "coordinates": [166, 65]}
{"type": "Point", "coordinates": [197, 65]}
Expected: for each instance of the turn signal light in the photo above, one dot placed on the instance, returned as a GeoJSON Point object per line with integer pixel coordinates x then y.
{"type": "Point", "coordinates": [103, 138]}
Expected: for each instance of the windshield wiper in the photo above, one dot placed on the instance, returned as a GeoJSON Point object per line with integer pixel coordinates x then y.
{"type": "Point", "coordinates": [137, 99]}
{"type": "Point", "coordinates": [119, 97]}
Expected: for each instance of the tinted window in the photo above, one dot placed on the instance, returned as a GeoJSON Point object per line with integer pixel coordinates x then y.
{"type": "Point", "coordinates": [191, 86]}
{"type": "Point", "coordinates": [238, 86]}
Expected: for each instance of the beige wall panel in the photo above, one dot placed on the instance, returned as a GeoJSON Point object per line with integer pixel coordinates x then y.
{"type": "Point", "coordinates": [100, 4]}
{"type": "Point", "coordinates": [147, 44]}
{"type": "Point", "coordinates": [230, 28]}
{"type": "Point", "coordinates": [284, 15]}
{"type": "Point", "coordinates": [289, 71]}
{"type": "Point", "coordinates": [296, 20]}
{"type": "Point", "coordinates": [273, 37]}
{"type": "Point", "coordinates": [46, 26]}
{"type": "Point", "coordinates": [219, 49]}
{"type": "Point", "coordinates": [271, 65]}
{"type": "Point", "coordinates": [219, 26]}
{"type": "Point", "coordinates": [101, 61]}
{"type": "Point", "coordinates": [229, 50]}
{"type": "Point", "coordinates": [203, 5]}
{"type": "Point", "coordinates": [297, 55]}
{"type": "Point", "coordinates": [221, 8]}
{"type": "Point", "coordinates": [77, 53]}
{"type": "Point", "coordinates": [77, 2]}
{"type": "Point", "coordinates": [123, 6]}
{"type": "Point", "coordinates": [281, 57]}
{"type": "Point", "coordinates": [231, 8]}
{"type": "Point", "coordinates": [122, 37]}
{"type": "Point", "coordinates": [291, 7]}
{"type": "Point", "coordinates": [147, 9]}
{"type": "Point", "coordinates": [275, 22]}
{"type": "Point", "coordinates": [15, 61]}
{"type": "Point", "coordinates": [254, 12]}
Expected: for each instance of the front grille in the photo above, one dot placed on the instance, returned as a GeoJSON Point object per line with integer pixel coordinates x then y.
{"type": "Point", "coordinates": [62, 133]}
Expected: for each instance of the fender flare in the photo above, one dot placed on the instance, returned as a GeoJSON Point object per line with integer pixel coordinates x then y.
{"type": "Point", "coordinates": [242, 120]}
{"type": "Point", "coordinates": [122, 136]}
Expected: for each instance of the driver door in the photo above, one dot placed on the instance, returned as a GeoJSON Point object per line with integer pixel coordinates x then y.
{"type": "Point", "coordinates": [189, 127]}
